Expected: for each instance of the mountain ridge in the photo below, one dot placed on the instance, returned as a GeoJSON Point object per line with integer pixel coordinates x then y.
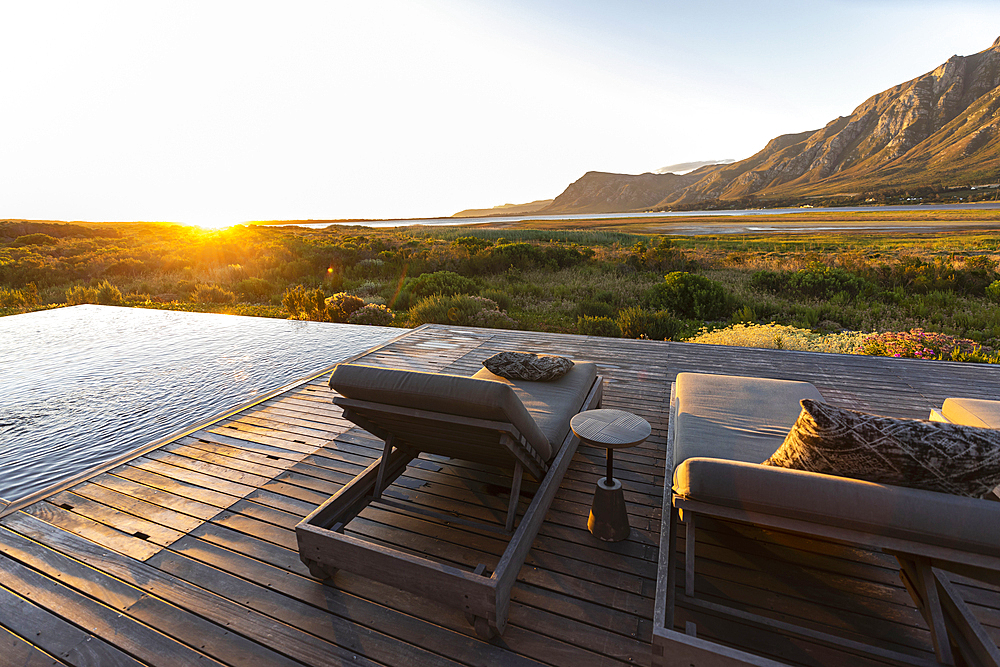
{"type": "Point", "coordinates": [942, 127]}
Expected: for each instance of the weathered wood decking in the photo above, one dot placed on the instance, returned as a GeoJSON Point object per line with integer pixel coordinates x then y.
{"type": "Point", "coordinates": [187, 553]}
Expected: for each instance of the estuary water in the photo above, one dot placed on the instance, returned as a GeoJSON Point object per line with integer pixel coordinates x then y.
{"type": "Point", "coordinates": [82, 385]}
{"type": "Point", "coordinates": [666, 216]}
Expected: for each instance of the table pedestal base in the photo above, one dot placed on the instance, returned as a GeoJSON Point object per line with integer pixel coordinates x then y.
{"type": "Point", "coordinates": [608, 519]}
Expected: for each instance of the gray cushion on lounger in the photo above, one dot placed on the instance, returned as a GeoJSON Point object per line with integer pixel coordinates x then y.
{"type": "Point", "coordinates": [972, 412]}
{"type": "Point", "coordinates": [437, 392]}
{"type": "Point", "coordinates": [736, 418]}
{"type": "Point", "coordinates": [967, 524]}
{"type": "Point", "coordinates": [552, 404]}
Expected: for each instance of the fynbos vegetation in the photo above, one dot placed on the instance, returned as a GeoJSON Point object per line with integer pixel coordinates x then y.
{"type": "Point", "coordinates": [783, 291]}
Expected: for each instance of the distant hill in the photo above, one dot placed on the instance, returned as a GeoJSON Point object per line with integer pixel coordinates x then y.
{"type": "Point", "coordinates": [941, 128]}
{"type": "Point", "coordinates": [504, 209]}
{"type": "Point", "coordinates": [600, 192]}
{"type": "Point", "coordinates": [685, 167]}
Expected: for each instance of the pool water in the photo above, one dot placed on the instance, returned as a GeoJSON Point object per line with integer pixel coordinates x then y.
{"type": "Point", "coordinates": [82, 385]}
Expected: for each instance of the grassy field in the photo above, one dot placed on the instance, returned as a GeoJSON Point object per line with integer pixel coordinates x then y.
{"type": "Point", "coordinates": [622, 277]}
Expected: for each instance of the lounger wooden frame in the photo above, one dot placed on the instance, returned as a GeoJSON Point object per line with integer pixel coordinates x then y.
{"type": "Point", "coordinates": [484, 596]}
{"type": "Point", "coordinates": [927, 570]}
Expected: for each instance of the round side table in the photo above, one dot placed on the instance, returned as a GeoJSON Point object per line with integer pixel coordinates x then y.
{"type": "Point", "coordinates": [611, 429]}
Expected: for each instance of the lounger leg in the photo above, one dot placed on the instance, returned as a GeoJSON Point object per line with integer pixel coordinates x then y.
{"type": "Point", "coordinates": [970, 635]}
{"type": "Point", "coordinates": [380, 480]}
{"type": "Point", "coordinates": [671, 569]}
{"type": "Point", "coordinates": [939, 634]}
{"type": "Point", "coordinates": [515, 496]}
{"type": "Point", "coordinates": [689, 546]}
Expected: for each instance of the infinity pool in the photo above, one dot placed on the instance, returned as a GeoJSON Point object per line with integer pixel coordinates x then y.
{"type": "Point", "coordinates": [82, 385]}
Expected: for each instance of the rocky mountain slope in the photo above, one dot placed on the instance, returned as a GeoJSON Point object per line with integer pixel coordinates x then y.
{"type": "Point", "coordinates": [600, 192]}
{"type": "Point", "coordinates": [940, 128]}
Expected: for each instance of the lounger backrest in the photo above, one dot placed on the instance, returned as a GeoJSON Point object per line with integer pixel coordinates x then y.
{"type": "Point", "coordinates": [437, 392]}
{"type": "Point", "coordinates": [735, 418]}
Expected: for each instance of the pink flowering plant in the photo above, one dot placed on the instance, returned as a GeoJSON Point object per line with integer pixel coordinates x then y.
{"type": "Point", "coordinates": [920, 344]}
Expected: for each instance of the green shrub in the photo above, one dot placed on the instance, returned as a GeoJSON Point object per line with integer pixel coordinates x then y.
{"type": "Point", "coordinates": [372, 314]}
{"type": "Point", "coordinates": [993, 291]}
{"type": "Point", "coordinates": [472, 244]}
{"type": "Point", "coordinates": [690, 295]}
{"type": "Point", "coordinates": [212, 294]}
{"type": "Point", "coordinates": [303, 303]}
{"type": "Point", "coordinates": [598, 326]}
{"type": "Point", "coordinates": [254, 288]}
{"type": "Point", "coordinates": [79, 294]}
{"type": "Point", "coordinates": [35, 239]}
{"type": "Point", "coordinates": [442, 309]}
{"type": "Point", "coordinates": [125, 267]}
{"type": "Point", "coordinates": [492, 319]}
{"type": "Point", "coordinates": [661, 254]}
{"type": "Point", "coordinates": [447, 283]}
{"type": "Point", "coordinates": [503, 299]}
{"type": "Point", "coordinates": [816, 281]}
{"type": "Point", "coordinates": [634, 322]}
{"type": "Point", "coordinates": [342, 305]}
{"type": "Point", "coordinates": [19, 298]}
{"type": "Point", "coordinates": [595, 308]}
{"type": "Point", "coordinates": [108, 294]}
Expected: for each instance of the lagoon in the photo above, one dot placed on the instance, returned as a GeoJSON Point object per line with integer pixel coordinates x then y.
{"type": "Point", "coordinates": [82, 385]}
{"type": "Point", "coordinates": [436, 222]}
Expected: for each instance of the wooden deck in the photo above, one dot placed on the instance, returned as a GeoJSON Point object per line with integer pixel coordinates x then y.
{"type": "Point", "coordinates": [186, 554]}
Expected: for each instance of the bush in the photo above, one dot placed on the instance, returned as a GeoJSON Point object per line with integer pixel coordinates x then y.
{"type": "Point", "coordinates": [255, 288]}
{"type": "Point", "coordinates": [79, 294]}
{"type": "Point", "coordinates": [472, 244]}
{"type": "Point", "coordinates": [305, 304]}
{"type": "Point", "coordinates": [212, 294]}
{"type": "Point", "coordinates": [660, 255]}
{"type": "Point", "coordinates": [817, 281]}
{"type": "Point", "coordinates": [461, 309]}
{"type": "Point", "coordinates": [19, 298]}
{"type": "Point", "coordinates": [35, 239]}
{"type": "Point", "coordinates": [108, 294]}
{"type": "Point", "coordinates": [635, 322]}
{"type": "Point", "coordinates": [780, 337]}
{"type": "Point", "coordinates": [595, 308]}
{"type": "Point", "coordinates": [493, 319]}
{"type": "Point", "coordinates": [690, 295]}
{"type": "Point", "coordinates": [993, 291]}
{"type": "Point", "coordinates": [503, 299]}
{"type": "Point", "coordinates": [342, 305]}
{"type": "Point", "coordinates": [447, 283]}
{"type": "Point", "coordinates": [920, 344]}
{"type": "Point", "coordinates": [598, 326]}
{"type": "Point", "coordinates": [373, 314]}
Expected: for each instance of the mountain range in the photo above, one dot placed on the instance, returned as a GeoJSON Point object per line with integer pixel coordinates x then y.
{"type": "Point", "coordinates": [939, 129]}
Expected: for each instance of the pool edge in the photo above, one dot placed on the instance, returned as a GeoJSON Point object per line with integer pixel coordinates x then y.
{"type": "Point", "coordinates": [9, 507]}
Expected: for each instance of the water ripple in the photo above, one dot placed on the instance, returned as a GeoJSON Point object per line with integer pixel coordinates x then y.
{"type": "Point", "coordinates": [81, 385]}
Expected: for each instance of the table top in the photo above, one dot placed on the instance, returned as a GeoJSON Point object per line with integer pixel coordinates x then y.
{"type": "Point", "coordinates": [610, 428]}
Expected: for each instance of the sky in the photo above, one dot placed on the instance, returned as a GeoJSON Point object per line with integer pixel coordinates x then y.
{"type": "Point", "coordinates": [216, 113]}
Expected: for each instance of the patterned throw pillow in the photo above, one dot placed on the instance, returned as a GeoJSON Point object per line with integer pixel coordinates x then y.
{"type": "Point", "coordinates": [528, 366]}
{"type": "Point", "coordinates": [962, 460]}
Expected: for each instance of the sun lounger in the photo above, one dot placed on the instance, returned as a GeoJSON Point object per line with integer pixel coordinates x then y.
{"type": "Point", "coordinates": [523, 426]}
{"type": "Point", "coordinates": [723, 427]}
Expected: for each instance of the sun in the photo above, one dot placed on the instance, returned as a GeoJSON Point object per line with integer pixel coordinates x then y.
{"type": "Point", "coordinates": [210, 223]}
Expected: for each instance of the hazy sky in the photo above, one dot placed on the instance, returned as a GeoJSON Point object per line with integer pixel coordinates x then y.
{"type": "Point", "coordinates": [221, 112]}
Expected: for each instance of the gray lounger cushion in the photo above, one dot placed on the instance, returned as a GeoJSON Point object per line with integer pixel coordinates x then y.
{"type": "Point", "coordinates": [552, 404]}
{"type": "Point", "coordinates": [735, 418]}
{"type": "Point", "coordinates": [972, 412]}
{"type": "Point", "coordinates": [447, 394]}
{"type": "Point", "coordinates": [967, 524]}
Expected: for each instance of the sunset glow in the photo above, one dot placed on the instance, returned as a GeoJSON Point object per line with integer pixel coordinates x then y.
{"type": "Point", "coordinates": [220, 113]}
